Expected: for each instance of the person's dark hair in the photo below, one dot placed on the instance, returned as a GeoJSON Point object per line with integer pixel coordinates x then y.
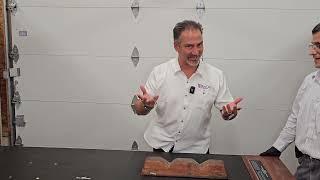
{"type": "Point", "coordinates": [316, 29]}
{"type": "Point", "coordinates": [185, 25]}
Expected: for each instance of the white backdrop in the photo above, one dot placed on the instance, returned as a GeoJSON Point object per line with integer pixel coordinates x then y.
{"type": "Point", "coordinates": [78, 78]}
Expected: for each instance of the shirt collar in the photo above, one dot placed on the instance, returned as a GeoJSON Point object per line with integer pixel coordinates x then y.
{"type": "Point", "coordinates": [177, 68]}
{"type": "Point", "coordinates": [200, 69]}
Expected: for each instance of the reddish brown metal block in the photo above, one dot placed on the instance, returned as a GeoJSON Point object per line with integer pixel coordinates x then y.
{"type": "Point", "coordinates": [184, 167]}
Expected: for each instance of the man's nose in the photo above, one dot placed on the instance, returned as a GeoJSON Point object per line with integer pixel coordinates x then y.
{"type": "Point", "coordinates": [195, 51]}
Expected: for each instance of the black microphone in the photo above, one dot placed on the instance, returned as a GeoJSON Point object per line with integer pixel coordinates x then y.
{"type": "Point", "coordinates": [192, 89]}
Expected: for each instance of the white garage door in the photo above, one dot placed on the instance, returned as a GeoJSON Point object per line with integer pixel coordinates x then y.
{"type": "Point", "coordinates": [77, 77]}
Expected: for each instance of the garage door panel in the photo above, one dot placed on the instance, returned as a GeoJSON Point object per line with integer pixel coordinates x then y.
{"type": "Point", "coordinates": [78, 78]}
{"type": "Point", "coordinates": [76, 3]}
{"type": "Point", "coordinates": [252, 34]}
{"type": "Point", "coordinates": [75, 31]}
{"type": "Point", "coordinates": [82, 78]}
{"type": "Point", "coordinates": [81, 125]}
{"type": "Point", "coordinates": [260, 4]}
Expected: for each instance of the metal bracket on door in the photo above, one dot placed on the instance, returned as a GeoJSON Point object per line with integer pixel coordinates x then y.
{"type": "Point", "coordinates": [16, 98]}
{"type": "Point", "coordinates": [135, 56]}
{"type": "Point", "coordinates": [14, 72]}
{"type": "Point", "coordinates": [14, 54]}
{"type": "Point", "coordinates": [12, 6]}
{"type": "Point", "coordinates": [200, 8]}
{"type": "Point", "coordinates": [15, 85]}
{"type": "Point", "coordinates": [135, 8]}
{"type": "Point", "coordinates": [19, 121]}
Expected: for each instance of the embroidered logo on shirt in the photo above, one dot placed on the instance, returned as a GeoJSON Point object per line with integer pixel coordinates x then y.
{"type": "Point", "coordinates": [201, 86]}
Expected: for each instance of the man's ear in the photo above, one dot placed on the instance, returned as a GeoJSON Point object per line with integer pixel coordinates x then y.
{"type": "Point", "coordinates": [176, 45]}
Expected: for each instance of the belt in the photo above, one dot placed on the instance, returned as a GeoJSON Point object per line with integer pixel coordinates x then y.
{"type": "Point", "coordinates": [161, 150]}
{"type": "Point", "coordinates": [300, 154]}
{"type": "Point", "coordinates": [309, 157]}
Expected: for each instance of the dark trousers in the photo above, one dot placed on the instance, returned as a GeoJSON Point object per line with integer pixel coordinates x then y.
{"type": "Point", "coordinates": [309, 168]}
{"type": "Point", "coordinates": [171, 150]}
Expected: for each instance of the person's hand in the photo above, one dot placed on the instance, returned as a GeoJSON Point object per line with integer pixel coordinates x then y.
{"type": "Point", "coordinates": [271, 152]}
{"type": "Point", "coordinates": [148, 100]}
{"type": "Point", "coordinates": [230, 110]}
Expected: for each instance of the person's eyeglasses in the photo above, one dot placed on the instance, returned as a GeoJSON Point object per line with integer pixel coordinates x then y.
{"type": "Point", "coordinates": [314, 45]}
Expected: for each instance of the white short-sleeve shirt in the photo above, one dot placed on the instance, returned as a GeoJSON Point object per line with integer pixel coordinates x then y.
{"type": "Point", "coordinates": [182, 117]}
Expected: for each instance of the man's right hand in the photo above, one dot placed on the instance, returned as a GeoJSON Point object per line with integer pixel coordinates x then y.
{"type": "Point", "coordinates": [148, 100]}
{"type": "Point", "coordinates": [230, 110]}
{"type": "Point", "coordinates": [271, 152]}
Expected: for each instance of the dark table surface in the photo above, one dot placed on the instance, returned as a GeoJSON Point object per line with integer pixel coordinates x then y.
{"type": "Point", "coordinates": [17, 163]}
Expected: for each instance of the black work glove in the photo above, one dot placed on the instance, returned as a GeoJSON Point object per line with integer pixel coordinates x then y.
{"type": "Point", "coordinates": [271, 152]}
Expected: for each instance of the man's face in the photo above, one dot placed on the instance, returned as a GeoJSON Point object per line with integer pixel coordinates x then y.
{"type": "Point", "coordinates": [190, 47]}
{"type": "Point", "coordinates": [314, 50]}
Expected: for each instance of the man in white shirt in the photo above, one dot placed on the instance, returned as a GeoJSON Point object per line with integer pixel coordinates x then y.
{"type": "Point", "coordinates": [183, 91]}
{"type": "Point", "coordinates": [303, 125]}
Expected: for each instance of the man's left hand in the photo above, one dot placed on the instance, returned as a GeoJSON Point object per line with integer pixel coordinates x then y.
{"type": "Point", "coordinates": [230, 110]}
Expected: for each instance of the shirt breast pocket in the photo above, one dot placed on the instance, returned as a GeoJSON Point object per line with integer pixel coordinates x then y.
{"type": "Point", "coordinates": [204, 99]}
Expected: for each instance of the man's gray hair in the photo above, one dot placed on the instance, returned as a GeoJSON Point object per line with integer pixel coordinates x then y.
{"type": "Point", "coordinates": [185, 25]}
{"type": "Point", "coordinates": [316, 29]}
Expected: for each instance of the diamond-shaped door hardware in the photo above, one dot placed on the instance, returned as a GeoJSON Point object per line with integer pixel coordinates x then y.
{"type": "Point", "coordinates": [135, 8]}
{"type": "Point", "coordinates": [135, 56]}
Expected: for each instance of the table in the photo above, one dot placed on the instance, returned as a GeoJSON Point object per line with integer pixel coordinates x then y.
{"type": "Point", "coordinates": [32, 163]}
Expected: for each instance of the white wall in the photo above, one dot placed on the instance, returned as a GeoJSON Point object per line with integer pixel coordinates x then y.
{"type": "Point", "coordinates": [78, 79]}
